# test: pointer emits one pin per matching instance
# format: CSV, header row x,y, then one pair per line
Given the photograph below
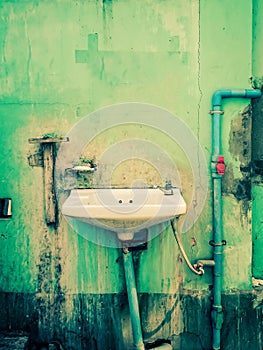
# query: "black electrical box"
x,y
5,208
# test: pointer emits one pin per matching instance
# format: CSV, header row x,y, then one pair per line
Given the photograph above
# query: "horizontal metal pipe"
x,y
245,93
205,263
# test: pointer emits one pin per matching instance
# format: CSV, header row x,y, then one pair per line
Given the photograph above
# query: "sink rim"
x,y
114,217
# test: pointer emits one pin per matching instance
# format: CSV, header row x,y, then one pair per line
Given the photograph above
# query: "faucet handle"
x,y
168,184
168,188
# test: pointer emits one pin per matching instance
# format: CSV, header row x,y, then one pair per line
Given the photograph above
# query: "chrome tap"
x,y
168,188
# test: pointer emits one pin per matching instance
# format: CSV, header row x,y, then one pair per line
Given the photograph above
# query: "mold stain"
x,y
240,149
50,297
43,297
240,137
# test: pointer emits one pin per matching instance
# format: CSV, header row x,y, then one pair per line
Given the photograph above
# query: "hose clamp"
x,y
216,112
218,308
213,244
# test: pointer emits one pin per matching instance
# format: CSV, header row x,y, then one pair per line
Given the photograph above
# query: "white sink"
x,y
123,210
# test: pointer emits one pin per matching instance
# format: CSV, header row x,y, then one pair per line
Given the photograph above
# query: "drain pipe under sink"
x,y
133,299
134,305
217,171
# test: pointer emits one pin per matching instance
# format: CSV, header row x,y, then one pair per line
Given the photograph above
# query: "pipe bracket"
x,y
216,112
213,244
217,316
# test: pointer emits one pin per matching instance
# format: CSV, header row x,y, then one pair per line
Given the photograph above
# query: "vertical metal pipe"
x,y
133,300
217,310
216,126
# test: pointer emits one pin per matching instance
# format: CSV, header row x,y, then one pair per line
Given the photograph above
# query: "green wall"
x,y
171,55
62,60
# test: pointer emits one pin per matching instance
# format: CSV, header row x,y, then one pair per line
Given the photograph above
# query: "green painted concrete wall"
x,y
56,70
257,230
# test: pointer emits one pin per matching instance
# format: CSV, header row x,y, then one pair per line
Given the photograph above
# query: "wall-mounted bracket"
x,y
35,160
48,150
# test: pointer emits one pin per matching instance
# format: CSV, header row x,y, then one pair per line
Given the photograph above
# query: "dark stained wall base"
x,y
101,321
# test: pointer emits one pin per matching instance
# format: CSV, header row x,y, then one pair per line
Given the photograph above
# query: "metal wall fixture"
x,y
47,159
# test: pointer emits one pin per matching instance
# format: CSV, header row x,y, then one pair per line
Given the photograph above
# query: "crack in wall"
x,y
200,98
199,78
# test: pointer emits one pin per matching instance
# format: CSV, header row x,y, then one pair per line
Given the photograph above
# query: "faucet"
x,y
168,188
85,165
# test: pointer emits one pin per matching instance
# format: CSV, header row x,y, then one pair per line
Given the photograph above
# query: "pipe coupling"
x,y
217,316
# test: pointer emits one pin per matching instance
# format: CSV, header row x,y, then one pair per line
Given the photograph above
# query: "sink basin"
x,y
123,210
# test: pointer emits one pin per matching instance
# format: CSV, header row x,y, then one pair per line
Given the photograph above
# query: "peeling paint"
x,y
240,149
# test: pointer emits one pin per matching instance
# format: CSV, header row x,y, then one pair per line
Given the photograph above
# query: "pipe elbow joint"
x,y
217,98
246,93
226,93
220,94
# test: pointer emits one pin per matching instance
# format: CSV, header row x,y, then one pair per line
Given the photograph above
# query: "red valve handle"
x,y
220,165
